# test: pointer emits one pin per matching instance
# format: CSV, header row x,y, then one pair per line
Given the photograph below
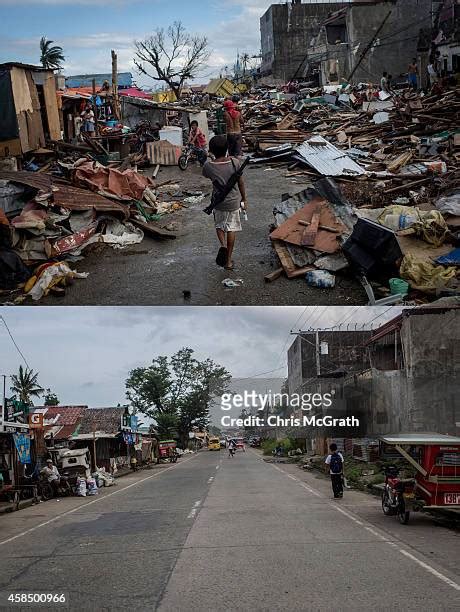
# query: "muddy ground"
x,y
157,272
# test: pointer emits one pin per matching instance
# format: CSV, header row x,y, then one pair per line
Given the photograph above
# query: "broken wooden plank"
x,y
272,276
153,228
334,230
311,231
289,267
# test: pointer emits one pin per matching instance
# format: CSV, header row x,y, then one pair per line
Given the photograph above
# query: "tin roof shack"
x,y
29,109
318,362
366,38
415,372
110,434
60,423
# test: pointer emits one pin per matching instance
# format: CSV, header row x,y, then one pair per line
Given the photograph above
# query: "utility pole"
x,y
2,415
116,105
369,46
317,353
96,128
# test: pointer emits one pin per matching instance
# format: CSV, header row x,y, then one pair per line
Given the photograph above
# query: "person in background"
x,y
51,473
432,73
89,121
227,213
384,83
412,74
231,448
233,121
198,140
334,464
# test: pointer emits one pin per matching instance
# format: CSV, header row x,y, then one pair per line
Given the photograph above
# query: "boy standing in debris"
x,y
233,121
227,213
334,463
198,140
412,74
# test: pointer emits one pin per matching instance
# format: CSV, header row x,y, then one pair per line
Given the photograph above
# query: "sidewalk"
x,y
8,507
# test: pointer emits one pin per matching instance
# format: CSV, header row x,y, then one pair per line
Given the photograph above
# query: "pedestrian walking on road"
x,y
231,448
334,463
227,213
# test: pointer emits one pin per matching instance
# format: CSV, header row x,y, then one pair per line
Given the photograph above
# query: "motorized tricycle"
x,y
436,485
167,451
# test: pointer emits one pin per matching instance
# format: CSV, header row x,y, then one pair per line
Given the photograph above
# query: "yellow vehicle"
x,y
214,444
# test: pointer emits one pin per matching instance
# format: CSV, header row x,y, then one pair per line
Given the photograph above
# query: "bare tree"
x,y
171,56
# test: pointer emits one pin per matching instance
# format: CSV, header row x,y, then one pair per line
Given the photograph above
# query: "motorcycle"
x,y
397,495
190,153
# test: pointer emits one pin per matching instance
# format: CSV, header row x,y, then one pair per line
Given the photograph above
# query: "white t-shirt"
x,y
328,461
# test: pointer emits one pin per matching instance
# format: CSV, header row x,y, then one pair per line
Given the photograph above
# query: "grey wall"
x,y
286,33
393,54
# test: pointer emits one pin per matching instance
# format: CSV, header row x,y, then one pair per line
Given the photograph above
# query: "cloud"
x,y
91,350
57,3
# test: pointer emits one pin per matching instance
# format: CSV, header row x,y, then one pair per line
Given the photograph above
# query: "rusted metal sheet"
x,y
291,231
36,180
75,198
70,243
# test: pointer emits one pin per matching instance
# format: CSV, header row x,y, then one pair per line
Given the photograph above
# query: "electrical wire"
x,y
14,341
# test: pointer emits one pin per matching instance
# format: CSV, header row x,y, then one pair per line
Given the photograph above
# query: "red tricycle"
x,y
436,484
167,451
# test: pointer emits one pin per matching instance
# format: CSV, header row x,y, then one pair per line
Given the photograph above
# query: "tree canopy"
x,y
25,385
50,56
176,391
51,399
171,56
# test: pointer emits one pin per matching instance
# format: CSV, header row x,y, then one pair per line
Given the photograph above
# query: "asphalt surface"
x,y
157,272
218,533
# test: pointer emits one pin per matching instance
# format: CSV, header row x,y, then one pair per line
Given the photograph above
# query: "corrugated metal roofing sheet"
x,y
321,155
420,438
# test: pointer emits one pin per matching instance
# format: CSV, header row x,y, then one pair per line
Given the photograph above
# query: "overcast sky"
x,y
88,29
84,354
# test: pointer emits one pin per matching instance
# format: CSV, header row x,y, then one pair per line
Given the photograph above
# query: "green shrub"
x,y
268,446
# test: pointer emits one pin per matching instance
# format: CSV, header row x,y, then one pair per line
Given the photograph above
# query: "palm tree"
x,y
25,385
51,57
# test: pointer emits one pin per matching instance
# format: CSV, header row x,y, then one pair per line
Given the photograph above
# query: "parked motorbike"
x,y
190,153
397,495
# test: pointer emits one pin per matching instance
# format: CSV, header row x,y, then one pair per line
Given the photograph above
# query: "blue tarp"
x,y
451,259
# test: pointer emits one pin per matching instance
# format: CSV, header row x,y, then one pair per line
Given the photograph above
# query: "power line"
x,y
14,341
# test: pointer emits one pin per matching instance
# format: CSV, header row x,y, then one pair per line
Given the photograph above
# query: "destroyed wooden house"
x,y
30,113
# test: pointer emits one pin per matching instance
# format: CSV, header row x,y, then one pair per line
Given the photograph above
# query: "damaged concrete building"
x,y
286,32
30,113
402,377
366,38
327,42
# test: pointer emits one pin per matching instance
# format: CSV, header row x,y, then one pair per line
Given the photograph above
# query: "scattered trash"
x,y
320,278
230,282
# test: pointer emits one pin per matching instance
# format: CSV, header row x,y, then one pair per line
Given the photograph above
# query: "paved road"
x,y
216,533
158,272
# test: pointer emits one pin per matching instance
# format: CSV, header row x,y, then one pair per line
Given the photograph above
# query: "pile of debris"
x,y
402,253
51,218
396,217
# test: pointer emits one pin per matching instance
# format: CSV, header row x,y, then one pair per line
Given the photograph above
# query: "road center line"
x,y
94,501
